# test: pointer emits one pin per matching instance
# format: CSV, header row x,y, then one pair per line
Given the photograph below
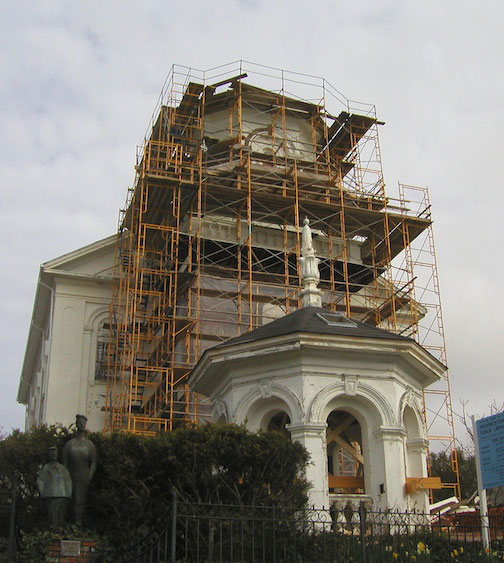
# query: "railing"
x,y
228,533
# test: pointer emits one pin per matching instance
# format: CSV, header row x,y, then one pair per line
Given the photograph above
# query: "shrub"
x,y
136,475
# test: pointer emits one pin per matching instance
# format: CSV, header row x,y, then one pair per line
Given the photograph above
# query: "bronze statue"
x,y
79,456
55,487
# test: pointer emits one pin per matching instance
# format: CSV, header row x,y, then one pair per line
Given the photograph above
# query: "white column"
x,y
391,440
312,435
416,449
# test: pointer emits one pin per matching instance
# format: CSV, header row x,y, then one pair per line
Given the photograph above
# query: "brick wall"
x,y
59,552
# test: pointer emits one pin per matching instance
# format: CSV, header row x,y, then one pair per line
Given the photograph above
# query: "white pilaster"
x,y
391,439
312,435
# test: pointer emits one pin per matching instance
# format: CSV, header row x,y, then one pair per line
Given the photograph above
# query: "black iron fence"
x,y
8,528
250,534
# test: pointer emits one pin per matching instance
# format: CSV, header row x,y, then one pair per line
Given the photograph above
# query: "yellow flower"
x,y
413,557
454,553
395,555
420,547
461,549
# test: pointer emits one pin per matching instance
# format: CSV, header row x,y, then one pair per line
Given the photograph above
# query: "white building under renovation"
x,y
194,310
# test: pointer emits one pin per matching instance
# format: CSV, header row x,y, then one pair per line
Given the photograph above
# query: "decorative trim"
x,y
307,428
418,445
279,391
351,384
219,408
410,399
265,389
391,433
369,394
97,316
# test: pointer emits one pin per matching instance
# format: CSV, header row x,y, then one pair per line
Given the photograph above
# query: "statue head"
x,y
53,453
80,422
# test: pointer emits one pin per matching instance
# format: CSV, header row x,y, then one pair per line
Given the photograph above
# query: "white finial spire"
x,y
310,275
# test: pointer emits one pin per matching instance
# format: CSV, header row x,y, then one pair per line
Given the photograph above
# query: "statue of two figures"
x,y
59,484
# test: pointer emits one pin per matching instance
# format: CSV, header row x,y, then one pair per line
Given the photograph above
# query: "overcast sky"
x,y
80,79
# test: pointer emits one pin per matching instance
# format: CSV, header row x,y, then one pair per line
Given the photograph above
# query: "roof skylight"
x,y
337,319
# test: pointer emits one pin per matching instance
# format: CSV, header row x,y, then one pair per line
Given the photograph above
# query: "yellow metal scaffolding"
x,y
209,237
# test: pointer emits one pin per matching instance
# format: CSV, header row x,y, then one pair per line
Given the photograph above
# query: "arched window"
x,y
414,459
102,340
345,460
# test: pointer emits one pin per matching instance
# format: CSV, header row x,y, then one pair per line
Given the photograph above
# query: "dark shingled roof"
x,y
313,320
